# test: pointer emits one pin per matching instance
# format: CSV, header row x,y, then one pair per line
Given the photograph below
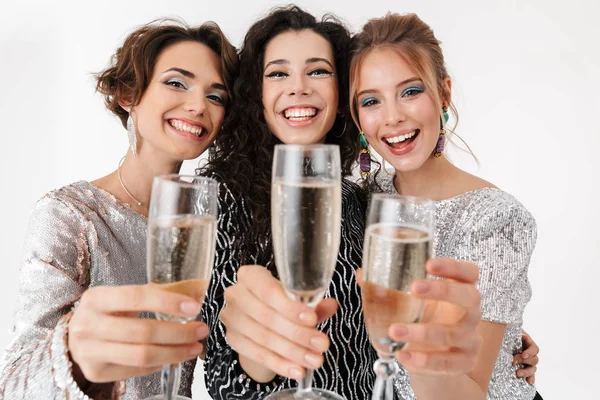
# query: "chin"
x,y
409,164
304,139
186,154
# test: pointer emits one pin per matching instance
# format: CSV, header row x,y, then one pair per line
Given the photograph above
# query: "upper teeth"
x,y
182,126
300,112
400,138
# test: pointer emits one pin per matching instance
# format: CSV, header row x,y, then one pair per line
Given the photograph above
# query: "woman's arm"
x,y
52,278
501,247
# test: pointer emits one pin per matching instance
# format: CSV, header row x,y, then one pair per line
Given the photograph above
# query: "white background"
x,y
526,84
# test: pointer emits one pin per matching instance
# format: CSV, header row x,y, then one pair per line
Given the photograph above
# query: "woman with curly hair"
x,y
293,89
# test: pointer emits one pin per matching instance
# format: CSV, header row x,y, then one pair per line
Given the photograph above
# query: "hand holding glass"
x,y
306,223
398,243
182,223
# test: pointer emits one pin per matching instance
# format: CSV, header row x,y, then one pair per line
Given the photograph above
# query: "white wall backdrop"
x,y
526,84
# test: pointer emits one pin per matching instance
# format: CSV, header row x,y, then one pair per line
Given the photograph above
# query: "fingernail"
x,y
403,356
191,308
526,356
313,360
196,349
296,373
319,344
520,374
307,318
399,330
201,332
422,287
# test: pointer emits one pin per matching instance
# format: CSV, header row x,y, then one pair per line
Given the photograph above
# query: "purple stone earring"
x,y
365,157
441,143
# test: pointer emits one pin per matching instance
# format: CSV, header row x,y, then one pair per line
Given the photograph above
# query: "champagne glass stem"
x,y
305,384
384,384
170,377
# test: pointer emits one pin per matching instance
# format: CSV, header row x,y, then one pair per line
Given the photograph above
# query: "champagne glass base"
x,y
314,394
162,397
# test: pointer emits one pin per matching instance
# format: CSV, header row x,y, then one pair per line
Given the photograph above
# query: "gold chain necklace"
x,y
139,203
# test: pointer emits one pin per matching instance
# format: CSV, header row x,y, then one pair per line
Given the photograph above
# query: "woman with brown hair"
x,y
81,286
400,95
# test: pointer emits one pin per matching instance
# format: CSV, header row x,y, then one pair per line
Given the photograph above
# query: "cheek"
x,y
217,116
268,97
332,94
369,122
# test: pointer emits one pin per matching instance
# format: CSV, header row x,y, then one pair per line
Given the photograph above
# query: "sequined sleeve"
x,y
53,276
500,237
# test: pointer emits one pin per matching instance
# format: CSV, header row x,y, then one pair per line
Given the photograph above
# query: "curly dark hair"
x,y
132,65
244,149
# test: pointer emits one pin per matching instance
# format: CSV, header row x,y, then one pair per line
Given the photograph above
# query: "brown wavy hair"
x,y
244,149
413,40
132,65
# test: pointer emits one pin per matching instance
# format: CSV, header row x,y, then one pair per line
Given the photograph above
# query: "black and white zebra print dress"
x,y
348,366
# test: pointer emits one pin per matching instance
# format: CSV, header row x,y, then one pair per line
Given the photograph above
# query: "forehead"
x,y
383,67
297,46
192,56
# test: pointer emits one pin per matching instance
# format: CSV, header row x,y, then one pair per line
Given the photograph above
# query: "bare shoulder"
x,y
479,183
108,183
463,182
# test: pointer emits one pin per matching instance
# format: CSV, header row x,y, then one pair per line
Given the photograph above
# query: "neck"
x,y
137,174
432,180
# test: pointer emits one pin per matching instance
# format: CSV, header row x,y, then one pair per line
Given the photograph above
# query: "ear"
x,y
125,104
446,96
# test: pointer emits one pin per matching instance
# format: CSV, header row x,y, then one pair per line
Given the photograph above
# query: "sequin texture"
x,y
348,365
79,237
491,229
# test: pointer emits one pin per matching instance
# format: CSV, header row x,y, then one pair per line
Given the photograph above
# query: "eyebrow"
x,y
404,82
311,60
188,74
182,71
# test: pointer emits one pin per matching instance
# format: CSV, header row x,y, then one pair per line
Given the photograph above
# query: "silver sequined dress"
x,y
491,229
79,237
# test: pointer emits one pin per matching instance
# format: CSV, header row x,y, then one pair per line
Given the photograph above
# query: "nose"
x,y
195,103
393,113
299,86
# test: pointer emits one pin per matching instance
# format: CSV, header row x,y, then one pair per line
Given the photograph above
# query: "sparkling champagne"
x,y
306,235
178,256
394,256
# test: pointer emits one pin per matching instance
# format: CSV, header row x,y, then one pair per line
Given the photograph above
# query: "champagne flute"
x,y
182,225
306,224
398,243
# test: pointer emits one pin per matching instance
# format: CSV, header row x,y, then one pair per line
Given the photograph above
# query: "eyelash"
x,y
408,92
277,75
181,85
216,98
176,84
316,72
413,91
369,102
320,72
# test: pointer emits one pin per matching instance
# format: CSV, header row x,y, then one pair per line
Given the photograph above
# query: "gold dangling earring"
x,y
441,143
364,158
